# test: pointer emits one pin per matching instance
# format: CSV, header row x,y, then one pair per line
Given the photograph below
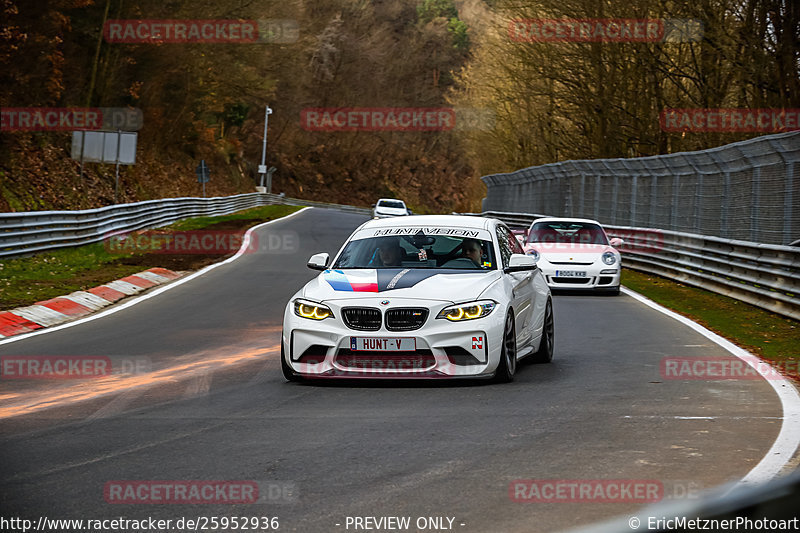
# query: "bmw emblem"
x,y
385,302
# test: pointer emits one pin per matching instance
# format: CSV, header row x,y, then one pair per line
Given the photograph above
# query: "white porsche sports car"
x,y
420,297
575,253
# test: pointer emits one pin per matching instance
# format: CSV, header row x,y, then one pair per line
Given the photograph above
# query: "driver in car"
x,y
471,249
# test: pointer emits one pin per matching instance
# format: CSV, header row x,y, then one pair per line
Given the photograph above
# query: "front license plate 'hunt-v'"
x,y
383,344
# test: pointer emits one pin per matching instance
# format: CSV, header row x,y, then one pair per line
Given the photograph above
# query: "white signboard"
x,y
104,147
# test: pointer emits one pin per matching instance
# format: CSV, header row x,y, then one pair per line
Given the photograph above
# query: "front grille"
x,y
362,318
398,361
605,280
571,281
405,319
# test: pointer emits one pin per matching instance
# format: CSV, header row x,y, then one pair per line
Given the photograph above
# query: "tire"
x,y
545,352
288,373
508,354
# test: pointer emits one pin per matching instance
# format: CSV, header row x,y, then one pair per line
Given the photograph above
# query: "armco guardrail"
x,y
765,275
36,231
285,200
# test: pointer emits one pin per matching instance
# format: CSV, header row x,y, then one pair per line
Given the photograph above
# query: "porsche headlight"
x,y
470,311
609,258
534,254
311,310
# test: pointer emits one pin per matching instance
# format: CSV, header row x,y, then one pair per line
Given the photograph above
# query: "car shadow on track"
x,y
525,370
393,383
583,292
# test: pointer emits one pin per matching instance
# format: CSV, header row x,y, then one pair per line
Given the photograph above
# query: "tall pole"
x,y
83,143
116,180
263,168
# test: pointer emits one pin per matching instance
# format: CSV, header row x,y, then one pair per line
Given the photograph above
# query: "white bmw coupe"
x,y
420,297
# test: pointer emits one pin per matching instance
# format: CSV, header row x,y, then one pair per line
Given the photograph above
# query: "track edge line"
x,y
787,442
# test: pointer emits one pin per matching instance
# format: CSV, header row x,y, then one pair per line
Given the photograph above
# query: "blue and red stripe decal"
x,y
339,281
384,279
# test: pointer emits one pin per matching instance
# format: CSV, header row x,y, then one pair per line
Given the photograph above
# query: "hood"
x,y
390,210
426,284
569,252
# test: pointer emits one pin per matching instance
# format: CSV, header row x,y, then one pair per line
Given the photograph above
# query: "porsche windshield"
x,y
418,251
568,233
394,204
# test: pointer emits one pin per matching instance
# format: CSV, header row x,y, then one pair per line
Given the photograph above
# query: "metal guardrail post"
x,y
596,197
653,199
754,207
788,203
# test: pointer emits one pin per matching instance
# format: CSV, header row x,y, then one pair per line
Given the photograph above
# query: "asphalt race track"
x,y
209,403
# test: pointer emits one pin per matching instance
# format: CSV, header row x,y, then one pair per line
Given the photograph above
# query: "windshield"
x,y
567,233
417,251
395,204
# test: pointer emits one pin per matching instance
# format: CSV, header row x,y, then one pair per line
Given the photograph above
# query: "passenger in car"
x,y
390,253
471,256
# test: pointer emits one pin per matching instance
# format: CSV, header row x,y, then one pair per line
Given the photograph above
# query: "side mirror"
x,y
318,261
616,242
520,263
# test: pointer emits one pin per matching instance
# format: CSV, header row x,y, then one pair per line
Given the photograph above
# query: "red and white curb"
x,y
62,309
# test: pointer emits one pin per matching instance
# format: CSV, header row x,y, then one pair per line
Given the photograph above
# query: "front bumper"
x,y
441,349
388,215
596,276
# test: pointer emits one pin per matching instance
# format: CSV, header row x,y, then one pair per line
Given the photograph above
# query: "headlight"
x,y
609,258
311,310
470,311
534,254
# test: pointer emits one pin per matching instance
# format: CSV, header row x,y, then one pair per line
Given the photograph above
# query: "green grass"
x,y
27,280
255,214
761,332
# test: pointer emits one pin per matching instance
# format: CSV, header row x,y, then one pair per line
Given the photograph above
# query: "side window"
x,y
508,244
516,247
505,245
